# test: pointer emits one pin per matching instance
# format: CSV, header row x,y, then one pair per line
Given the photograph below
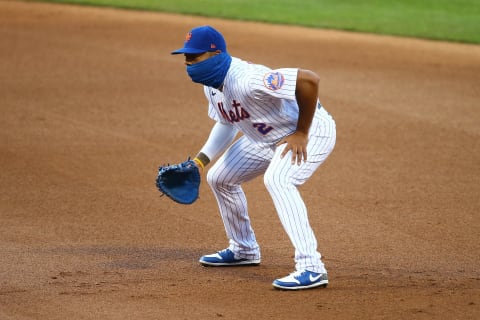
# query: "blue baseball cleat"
x,y
302,280
226,258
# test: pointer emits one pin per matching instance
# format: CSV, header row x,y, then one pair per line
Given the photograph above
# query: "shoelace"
x,y
297,273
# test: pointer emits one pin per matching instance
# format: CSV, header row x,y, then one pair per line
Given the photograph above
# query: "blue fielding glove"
x,y
180,182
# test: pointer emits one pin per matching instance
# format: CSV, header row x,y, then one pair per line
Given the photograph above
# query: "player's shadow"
x,y
131,258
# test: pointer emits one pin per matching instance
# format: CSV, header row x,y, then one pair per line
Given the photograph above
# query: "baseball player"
x,y
286,135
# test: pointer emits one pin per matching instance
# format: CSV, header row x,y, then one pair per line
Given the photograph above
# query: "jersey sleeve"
x,y
213,114
278,83
212,110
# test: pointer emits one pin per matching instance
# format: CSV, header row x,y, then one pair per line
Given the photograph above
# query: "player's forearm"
x,y
220,137
307,96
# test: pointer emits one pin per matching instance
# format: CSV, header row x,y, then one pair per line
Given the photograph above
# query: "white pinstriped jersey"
x,y
257,100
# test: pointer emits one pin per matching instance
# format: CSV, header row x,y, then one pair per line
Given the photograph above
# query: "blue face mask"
x,y
210,72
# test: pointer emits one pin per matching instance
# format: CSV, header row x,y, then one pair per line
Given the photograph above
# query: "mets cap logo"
x,y
273,80
188,36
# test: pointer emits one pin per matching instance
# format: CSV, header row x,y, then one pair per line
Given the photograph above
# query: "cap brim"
x,y
188,51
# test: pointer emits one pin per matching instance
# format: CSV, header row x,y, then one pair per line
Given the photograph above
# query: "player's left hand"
x,y
297,143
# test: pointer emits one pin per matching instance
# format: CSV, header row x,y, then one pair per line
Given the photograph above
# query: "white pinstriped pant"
x,y
244,161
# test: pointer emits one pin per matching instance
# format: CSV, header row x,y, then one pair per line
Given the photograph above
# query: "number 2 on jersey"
x,y
262,128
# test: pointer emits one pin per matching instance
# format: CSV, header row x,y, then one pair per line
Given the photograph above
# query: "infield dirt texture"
x,y
92,103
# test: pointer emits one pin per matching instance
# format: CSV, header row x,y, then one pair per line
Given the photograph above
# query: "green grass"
x,y
449,20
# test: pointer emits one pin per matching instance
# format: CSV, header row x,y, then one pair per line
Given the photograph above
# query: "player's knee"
x,y
211,178
272,180
214,180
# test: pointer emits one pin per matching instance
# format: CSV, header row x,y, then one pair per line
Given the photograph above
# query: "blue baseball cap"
x,y
202,39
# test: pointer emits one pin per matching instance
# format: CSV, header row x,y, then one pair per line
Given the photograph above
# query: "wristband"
x,y
199,163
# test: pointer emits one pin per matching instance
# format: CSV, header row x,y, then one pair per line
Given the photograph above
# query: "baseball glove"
x,y
180,182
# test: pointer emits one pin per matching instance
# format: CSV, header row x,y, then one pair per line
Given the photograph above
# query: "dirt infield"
x,y
92,102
